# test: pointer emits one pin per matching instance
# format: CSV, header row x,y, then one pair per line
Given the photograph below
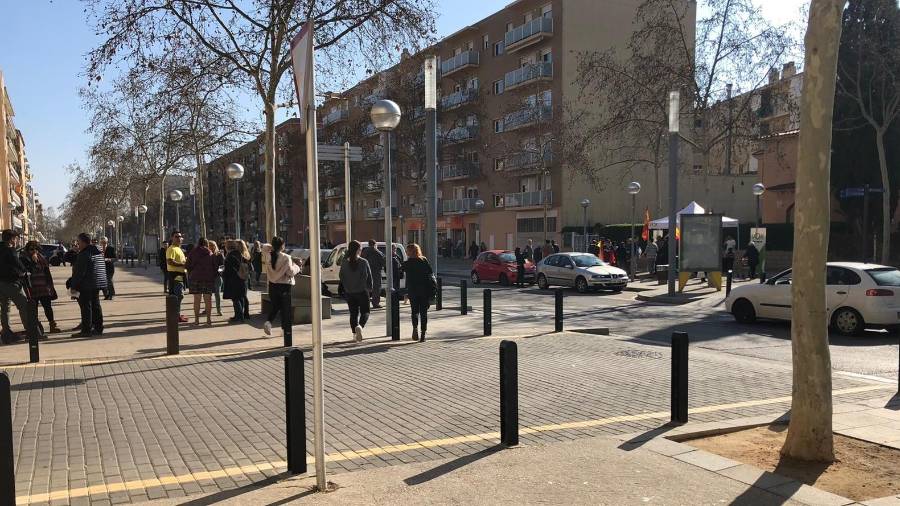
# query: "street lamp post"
x,y
674,119
112,229
431,209
758,190
385,116
119,219
633,189
479,206
235,172
543,186
142,209
176,196
585,203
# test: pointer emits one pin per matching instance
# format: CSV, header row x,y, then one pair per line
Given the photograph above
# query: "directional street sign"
x,y
336,153
848,193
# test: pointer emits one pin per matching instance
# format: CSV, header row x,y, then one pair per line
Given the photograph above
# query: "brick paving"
x,y
79,425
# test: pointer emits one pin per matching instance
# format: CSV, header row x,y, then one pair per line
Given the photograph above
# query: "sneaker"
x,y
81,334
415,336
267,328
357,334
422,337
182,319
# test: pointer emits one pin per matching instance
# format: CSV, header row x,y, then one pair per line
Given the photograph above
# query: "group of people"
x,y
360,277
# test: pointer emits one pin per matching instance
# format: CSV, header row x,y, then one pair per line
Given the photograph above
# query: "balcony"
x,y
459,135
535,72
459,99
334,215
419,80
526,161
373,185
330,193
377,213
461,169
526,117
14,176
417,210
528,199
528,34
369,130
335,116
371,98
458,206
462,61
418,113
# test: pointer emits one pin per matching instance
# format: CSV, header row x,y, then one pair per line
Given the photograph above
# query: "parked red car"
x,y
499,265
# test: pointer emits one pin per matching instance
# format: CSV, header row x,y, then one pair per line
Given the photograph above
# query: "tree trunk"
x,y
271,229
162,209
201,193
810,433
885,199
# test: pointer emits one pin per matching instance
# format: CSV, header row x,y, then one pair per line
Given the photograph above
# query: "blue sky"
x,y
44,43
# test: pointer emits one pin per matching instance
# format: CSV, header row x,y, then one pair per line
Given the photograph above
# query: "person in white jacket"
x,y
280,271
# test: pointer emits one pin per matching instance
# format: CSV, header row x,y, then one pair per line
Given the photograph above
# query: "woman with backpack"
x,y
236,274
420,286
280,272
356,278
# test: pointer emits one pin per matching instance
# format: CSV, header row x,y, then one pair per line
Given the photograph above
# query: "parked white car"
x,y
857,295
331,265
584,271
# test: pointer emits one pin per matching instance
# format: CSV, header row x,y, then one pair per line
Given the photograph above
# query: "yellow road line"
x,y
344,455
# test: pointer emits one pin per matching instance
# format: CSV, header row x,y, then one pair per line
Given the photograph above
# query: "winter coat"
x,y
375,259
89,272
356,277
201,265
11,268
418,278
110,254
41,279
234,287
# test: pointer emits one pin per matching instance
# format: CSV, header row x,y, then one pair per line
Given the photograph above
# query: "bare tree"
x,y
254,40
868,69
810,432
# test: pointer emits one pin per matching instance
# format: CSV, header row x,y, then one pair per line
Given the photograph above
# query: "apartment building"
x,y
15,175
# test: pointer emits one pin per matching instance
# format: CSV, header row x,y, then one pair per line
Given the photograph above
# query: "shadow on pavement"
x,y
42,384
211,344
894,402
641,439
231,494
451,466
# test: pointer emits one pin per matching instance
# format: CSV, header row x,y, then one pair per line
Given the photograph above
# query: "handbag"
x,y
244,271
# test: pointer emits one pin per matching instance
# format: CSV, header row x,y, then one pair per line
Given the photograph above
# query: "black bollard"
x,y
729,277
7,463
487,311
173,308
34,352
509,394
439,296
463,297
679,378
558,315
395,315
295,411
287,321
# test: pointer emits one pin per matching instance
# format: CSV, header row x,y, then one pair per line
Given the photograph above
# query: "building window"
x,y
547,11
471,192
498,164
498,125
498,48
546,55
698,169
531,225
498,200
498,87
486,44
509,27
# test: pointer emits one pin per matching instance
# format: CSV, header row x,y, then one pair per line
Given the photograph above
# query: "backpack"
x,y
243,271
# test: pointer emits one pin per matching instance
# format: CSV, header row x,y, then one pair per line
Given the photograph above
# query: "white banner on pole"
x,y
302,62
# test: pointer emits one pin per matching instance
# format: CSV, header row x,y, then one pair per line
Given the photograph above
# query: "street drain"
x,y
639,354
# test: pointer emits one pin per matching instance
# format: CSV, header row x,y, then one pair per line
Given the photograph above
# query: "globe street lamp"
x,y
674,127
235,172
176,196
479,206
758,190
633,189
142,209
585,204
385,116
119,219
112,228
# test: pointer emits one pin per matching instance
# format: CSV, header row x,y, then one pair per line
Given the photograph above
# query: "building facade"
x,y
15,176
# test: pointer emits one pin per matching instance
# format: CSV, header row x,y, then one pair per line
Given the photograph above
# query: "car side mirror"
x,y
570,266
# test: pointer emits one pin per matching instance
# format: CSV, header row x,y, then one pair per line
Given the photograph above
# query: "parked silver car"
x,y
584,271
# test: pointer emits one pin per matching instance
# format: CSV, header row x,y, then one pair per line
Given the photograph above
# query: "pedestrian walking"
x,y
538,253
651,253
421,286
751,257
520,267
109,258
728,258
376,264
12,280
176,271
473,251
529,251
280,272
358,281
219,260
235,276
161,261
594,249
245,253
88,279
41,280
256,257
554,246
201,268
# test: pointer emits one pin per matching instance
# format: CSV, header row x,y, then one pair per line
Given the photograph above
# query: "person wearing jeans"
x,y
280,272
356,278
88,278
420,287
176,271
12,274
236,273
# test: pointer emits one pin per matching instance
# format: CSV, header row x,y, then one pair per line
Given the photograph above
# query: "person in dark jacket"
x,y
554,246
202,270
520,267
41,280
256,260
161,260
376,265
88,278
751,255
12,280
236,274
420,288
109,256
357,279
473,251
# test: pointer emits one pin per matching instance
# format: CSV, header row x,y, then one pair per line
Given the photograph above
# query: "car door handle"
x,y
842,293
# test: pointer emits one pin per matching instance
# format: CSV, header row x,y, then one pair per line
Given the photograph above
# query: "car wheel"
x,y
581,284
504,281
847,321
743,311
542,282
475,278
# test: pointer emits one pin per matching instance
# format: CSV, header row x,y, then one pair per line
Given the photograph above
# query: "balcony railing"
x,y
374,213
459,99
458,206
334,215
373,185
460,170
527,160
332,192
335,116
461,134
461,61
418,113
369,130
528,199
528,74
417,210
530,33
527,117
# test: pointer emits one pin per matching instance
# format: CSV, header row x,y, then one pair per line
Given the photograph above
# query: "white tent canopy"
x,y
692,208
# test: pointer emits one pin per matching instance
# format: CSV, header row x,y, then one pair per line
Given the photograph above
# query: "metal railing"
x,y
528,199
334,215
461,134
542,25
373,185
417,210
332,192
460,169
459,61
527,116
335,116
528,73
527,160
458,206
374,213
459,98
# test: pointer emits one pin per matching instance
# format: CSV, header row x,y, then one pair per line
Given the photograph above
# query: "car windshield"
x,y
587,261
507,257
886,276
